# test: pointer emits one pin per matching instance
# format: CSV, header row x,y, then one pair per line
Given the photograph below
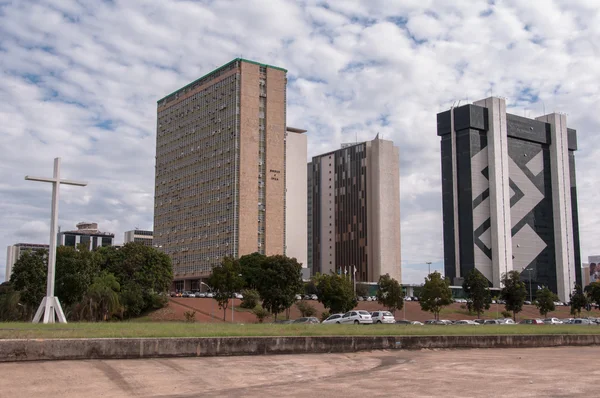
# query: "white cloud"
x,y
80,79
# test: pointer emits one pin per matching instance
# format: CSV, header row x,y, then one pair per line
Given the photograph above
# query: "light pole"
x,y
530,291
428,267
212,308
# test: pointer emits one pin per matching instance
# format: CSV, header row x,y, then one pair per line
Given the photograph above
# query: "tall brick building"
x,y
220,169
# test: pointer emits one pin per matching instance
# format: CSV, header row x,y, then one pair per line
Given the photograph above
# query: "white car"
x,y
200,295
357,317
466,322
335,318
238,296
314,297
209,295
407,298
382,317
553,321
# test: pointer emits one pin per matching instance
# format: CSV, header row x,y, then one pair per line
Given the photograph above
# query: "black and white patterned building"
x,y
509,196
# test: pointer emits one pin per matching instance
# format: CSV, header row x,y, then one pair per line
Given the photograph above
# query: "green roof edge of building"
x,y
221,67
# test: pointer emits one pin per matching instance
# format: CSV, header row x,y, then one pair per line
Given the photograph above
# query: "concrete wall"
x,y
63,349
295,197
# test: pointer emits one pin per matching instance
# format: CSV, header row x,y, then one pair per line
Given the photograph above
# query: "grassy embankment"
x,y
176,329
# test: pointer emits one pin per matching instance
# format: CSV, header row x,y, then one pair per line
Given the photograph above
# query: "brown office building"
x,y
354,211
220,169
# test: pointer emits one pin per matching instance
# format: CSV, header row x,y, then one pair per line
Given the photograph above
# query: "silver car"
x,y
382,317
357,317
335,318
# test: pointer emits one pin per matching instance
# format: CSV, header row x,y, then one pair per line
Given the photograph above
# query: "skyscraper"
x,y
509,196
220,169
354,210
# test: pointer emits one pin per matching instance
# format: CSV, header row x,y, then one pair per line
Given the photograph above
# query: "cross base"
x,y
50,306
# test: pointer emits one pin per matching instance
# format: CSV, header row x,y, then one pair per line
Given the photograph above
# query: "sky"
x,y
79,79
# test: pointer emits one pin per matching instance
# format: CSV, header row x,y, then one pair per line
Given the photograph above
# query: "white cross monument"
x,y
50,304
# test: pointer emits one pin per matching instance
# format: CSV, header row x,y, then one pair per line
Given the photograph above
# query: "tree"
x,y
251,269
102,298
132,299
251,298
335,292
579,301
75,272
10,308
435,294
593,292
306,309
279,283
513,293
260,313
226,280
137,264
476,286
390,293
544,301
29,277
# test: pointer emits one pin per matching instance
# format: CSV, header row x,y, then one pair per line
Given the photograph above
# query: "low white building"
x,y
13,253
138,236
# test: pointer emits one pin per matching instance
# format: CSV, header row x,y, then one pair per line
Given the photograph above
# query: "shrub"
x,y
506,314
324,315
190,316
306,309
250,299
260,313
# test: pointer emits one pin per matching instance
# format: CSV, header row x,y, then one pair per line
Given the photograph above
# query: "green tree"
x,y
579,301
10,308
390,293
132,299
435,294
102,298
260,313
335,292
476,286
280,282
513,293
29,277
593,292
544,301
75,272
251,269
137,264
251,298
305,308
226,280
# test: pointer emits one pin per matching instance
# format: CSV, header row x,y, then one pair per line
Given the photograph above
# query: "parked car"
x,y
306,297
238,296
173,294
403,322
209,295
309,319
553,321
506,321
417,323
298,297
414,298
531,322
314,297
335,318
187,294
567,321
283,321
527,302
466,322
430,322
357,317
582,321
407,298
444,322
382,317
491,322
200,295
360,298
480,321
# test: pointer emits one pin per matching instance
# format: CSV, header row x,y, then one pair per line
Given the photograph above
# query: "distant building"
x,y
87,234
13,253
354,211
509,196
138,236
593,270
295,195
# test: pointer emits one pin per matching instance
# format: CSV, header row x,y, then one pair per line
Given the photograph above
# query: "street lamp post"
x,y
212,308
530,291
428,267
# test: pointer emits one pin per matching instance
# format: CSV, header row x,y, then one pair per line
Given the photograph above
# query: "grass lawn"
x,y
176,329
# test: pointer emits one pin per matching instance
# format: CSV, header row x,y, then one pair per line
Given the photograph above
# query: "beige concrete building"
x,y
13,253
354,211
295,195
220,169
138,236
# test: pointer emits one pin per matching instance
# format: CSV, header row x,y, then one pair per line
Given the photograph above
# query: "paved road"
x,y
538,372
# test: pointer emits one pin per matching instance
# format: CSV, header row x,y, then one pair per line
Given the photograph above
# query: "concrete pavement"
x,y
534,372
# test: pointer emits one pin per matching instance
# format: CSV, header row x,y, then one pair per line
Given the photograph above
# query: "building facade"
x,y
295,195
13,253
220,169
354,211
138,236
593,270
509,196
87,234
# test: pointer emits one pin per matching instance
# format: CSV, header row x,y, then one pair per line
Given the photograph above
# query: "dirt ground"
x,y
207,310
534,372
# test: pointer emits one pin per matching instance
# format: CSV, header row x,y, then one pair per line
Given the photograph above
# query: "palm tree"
x,y
102,297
